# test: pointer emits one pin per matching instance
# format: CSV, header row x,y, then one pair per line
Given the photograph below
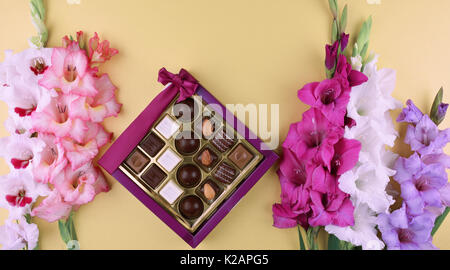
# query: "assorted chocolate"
x,y
191,172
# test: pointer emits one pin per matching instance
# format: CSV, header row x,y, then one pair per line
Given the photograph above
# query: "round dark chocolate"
x,y
186,143
191,207
185,110
189,175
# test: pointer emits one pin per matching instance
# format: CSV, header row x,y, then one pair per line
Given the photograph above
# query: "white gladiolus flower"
x,y
370,105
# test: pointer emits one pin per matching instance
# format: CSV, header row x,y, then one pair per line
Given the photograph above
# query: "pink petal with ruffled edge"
x,y
52,208
52,161
103,105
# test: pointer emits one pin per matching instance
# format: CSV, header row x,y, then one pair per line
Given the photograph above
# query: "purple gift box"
x,y
184,85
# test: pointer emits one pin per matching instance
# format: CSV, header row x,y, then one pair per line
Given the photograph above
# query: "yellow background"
x,y
243,51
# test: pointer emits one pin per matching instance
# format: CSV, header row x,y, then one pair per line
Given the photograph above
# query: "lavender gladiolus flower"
x,y
410,114
426,138
441,112
400,230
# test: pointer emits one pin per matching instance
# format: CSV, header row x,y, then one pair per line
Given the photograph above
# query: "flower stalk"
x,y
38,19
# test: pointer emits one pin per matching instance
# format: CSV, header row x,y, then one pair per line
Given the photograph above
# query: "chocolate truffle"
x,y
189,175
185,110
137,161
209,191
222,141
191,207
154,176
186,143
240,156
152,144
225,173
207,158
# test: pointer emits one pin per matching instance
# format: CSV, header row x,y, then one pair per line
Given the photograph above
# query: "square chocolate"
x,y
137,161
225,173
240,156
222,141
207,159
154,176
209,191
152,144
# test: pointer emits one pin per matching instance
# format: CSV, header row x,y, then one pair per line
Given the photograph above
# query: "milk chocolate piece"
x,y
210,191
186,143
191,207
225,173
240,156
185,110
222,141
189,175
207,158
154,176
137,161
152,144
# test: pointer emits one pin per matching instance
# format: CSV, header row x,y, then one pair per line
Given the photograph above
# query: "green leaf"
x,y
333,8
439,220
333,242
300,238
343,23
434,108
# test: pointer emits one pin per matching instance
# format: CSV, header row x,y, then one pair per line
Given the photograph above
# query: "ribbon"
x,y
184,82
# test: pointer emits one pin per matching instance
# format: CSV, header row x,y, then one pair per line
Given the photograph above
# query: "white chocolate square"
x,y
167,127
169,160
171,192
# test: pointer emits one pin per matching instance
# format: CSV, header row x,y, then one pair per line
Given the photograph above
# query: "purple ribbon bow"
x,y
184,82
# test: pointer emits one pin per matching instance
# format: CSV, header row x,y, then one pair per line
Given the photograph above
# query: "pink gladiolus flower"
x,y
100,52
314,137
52,208
81,153
329,97
70,73
56,119
52,160
80,186
97,108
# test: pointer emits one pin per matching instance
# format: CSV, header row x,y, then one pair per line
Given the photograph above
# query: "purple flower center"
x,y
315,138
335,164
405,236
327,96
422,184
300,175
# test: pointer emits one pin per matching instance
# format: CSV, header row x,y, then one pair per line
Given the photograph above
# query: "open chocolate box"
x,y
185,159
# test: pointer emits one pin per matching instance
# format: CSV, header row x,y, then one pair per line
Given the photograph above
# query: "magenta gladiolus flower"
x,y
329,97
346,154
331,208
314,137
346,75
294,205
331,54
